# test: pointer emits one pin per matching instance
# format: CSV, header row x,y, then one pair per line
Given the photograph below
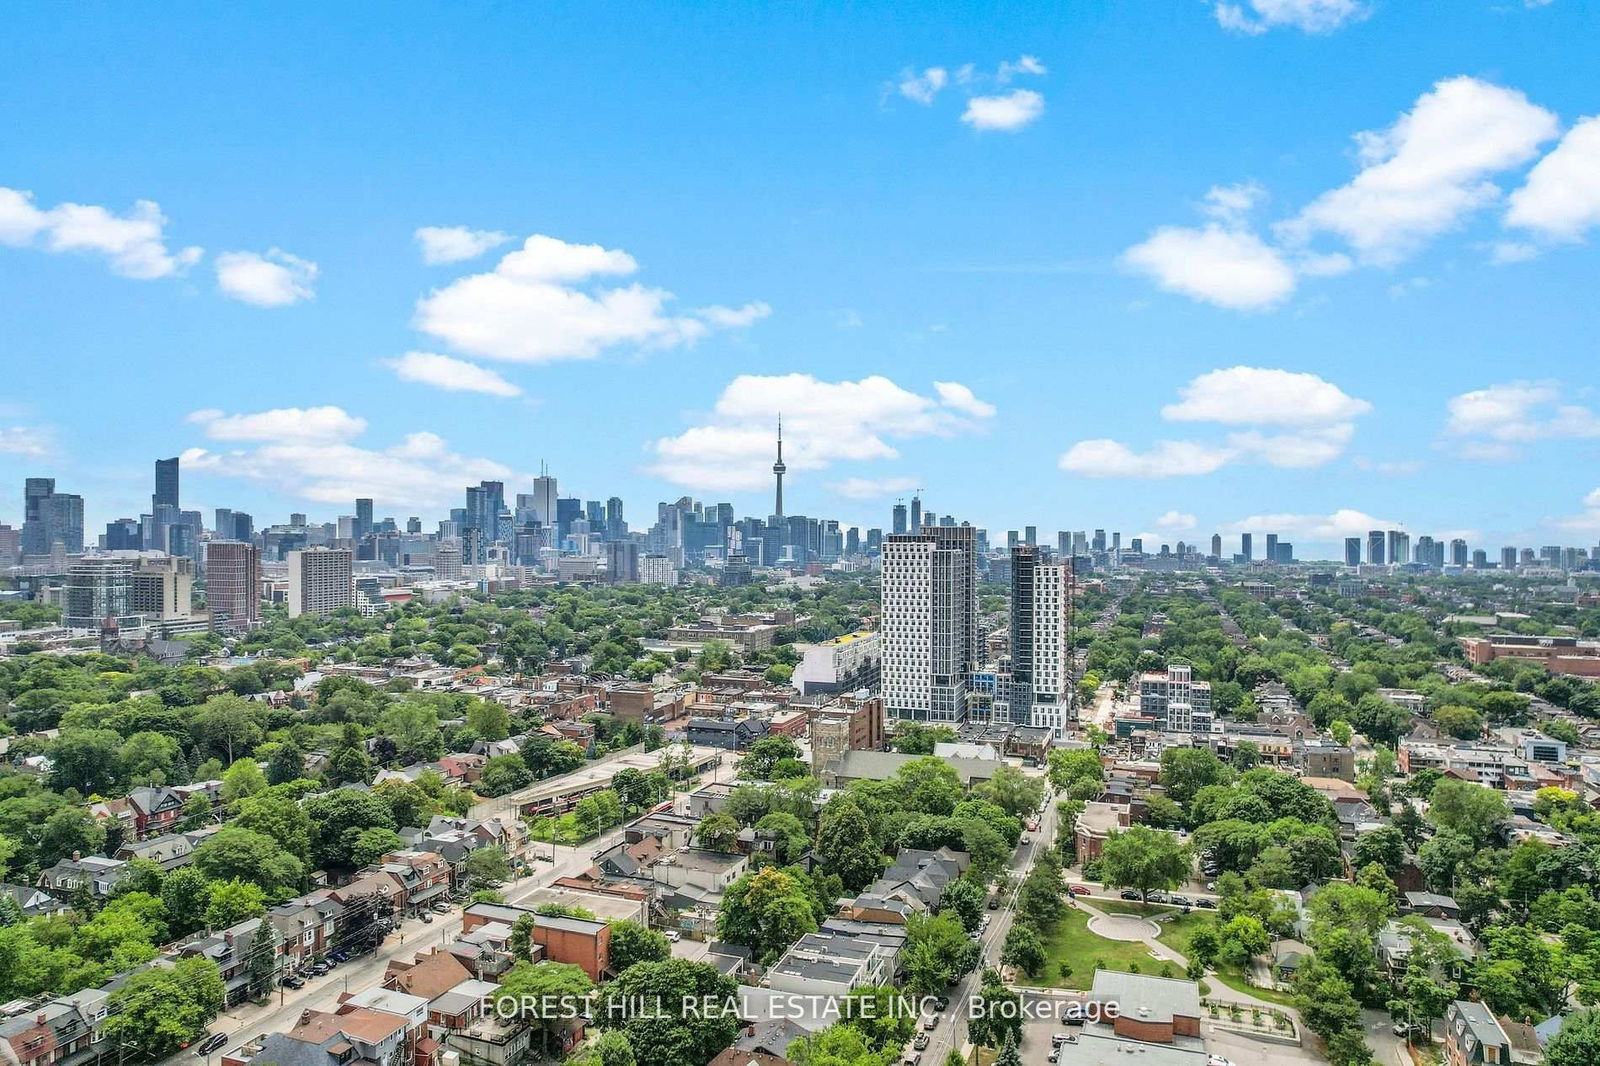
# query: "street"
x,y
249,1020
951,1031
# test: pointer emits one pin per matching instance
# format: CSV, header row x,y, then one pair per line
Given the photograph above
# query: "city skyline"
x,y
1063,285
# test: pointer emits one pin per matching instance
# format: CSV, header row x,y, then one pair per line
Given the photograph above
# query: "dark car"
x,y
317,969
1206,904
1181,901
1129,893
212,1043
994,903
338,956
292,982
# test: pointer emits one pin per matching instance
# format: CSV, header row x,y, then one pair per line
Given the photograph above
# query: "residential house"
x,y
356,1037
1474,1036
579,941
96,872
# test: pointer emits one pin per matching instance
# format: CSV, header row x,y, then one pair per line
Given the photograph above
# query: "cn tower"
x,y
778,470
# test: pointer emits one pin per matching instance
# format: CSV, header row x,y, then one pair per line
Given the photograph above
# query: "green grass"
x,y
1124,906
1074,944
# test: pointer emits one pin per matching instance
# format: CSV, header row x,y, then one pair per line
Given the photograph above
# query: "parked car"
x,y
1055,1054
673,936
1078,890
338,956
291,981
316,969
994,903
1180,901
931,1022
212,1043
1158,897
1025,841
427,919
441,908
920,1042
1206,904
914,1059
1129,893
941,1004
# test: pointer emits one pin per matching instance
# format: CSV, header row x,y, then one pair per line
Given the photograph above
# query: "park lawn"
x,y
1074,944
1176,933
1126,906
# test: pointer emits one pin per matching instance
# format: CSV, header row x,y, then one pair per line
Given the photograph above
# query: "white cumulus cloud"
x,y
312,453
451,374
535,307
1290,420
24,440
1311,16
1492,421
824,423
1560,201
1428,170
133,245
923,87
303,424
1345,522
1586,521
958,397
874,488
1176,521
1228,267
275,279
1264,395
454,244
1008,111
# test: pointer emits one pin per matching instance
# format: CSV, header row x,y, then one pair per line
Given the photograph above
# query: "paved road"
x,y
412,936
951,1031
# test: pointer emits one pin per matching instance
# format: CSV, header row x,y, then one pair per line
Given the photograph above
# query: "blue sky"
x,y
1169,267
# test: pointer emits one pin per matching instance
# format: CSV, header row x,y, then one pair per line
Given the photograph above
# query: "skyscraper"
x,y
1041,652
1399,547
544,500
166,483
321,581
1272,548
1216,546
1375,547
1247,546
899,523
233,584
49,516
1458,552
931,642
916,515
363,523
1352,551
1508,558
615,526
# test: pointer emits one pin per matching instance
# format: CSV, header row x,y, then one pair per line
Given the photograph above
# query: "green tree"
x,y
187,894
1185,771
1463,723
882,1015
261,964
1143,859
278,816
373,843
964,898
995,1020
845,845
1385,846
937,952
1577,1043
243,778
87,760
235,853
487,868
632,943
414,728
1471,810
503,774
68,832
547,982
766,911
159,1010
717,832
1015,792
656,1005
1024,950
340,816
232,902
488,720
